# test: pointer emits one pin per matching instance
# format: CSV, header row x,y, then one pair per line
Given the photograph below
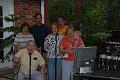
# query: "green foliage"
x,y
101,36
92,17
97,16
66,8
114,15
10,29
6,42
9,40
95,37
93,20
11,18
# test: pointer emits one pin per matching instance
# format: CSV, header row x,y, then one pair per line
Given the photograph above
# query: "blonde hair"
x,y
56,25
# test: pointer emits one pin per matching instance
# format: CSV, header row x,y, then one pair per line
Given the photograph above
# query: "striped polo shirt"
x,y
22,40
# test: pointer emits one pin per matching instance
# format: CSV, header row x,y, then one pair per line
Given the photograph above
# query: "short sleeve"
x,y
32,38
16,40
46,43
19,53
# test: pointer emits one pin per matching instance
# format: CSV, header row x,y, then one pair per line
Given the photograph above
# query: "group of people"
x,y
50,48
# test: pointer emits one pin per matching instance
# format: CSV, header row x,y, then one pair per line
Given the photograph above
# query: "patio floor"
x,y
6,74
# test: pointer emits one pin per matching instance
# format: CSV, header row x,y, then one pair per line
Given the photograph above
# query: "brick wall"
x,y
26,9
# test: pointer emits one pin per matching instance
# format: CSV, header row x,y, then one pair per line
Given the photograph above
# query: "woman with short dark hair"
x,y
22,37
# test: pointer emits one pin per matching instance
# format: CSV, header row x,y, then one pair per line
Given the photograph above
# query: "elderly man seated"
x,y
30,60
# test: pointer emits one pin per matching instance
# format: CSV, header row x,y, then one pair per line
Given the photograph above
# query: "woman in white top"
x,y
51,45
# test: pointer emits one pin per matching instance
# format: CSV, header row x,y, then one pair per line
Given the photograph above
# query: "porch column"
x,y
46,11
78,6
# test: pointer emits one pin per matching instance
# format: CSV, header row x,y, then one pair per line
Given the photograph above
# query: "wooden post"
x,y
46,11
78,6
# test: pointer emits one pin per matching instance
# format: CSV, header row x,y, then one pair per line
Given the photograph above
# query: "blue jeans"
x,y
35,76
67,67
51,67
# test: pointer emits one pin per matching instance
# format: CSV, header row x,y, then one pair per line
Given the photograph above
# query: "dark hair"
x,y
25,24
62,17
37,15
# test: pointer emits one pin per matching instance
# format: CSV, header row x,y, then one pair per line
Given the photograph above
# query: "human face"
x,y
31,47
38,20
54,29
61,22
70,32
25,30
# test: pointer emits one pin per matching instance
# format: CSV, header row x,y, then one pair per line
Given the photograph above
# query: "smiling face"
x,y
54,28
61,22
31,46
25,30
38,19
70,32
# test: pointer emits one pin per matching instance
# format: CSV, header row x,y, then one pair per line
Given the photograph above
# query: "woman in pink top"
x,y
78,39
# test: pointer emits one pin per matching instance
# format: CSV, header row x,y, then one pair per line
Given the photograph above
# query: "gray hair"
x,y
30,41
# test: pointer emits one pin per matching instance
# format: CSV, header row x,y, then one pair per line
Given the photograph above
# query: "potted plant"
x,y
9,40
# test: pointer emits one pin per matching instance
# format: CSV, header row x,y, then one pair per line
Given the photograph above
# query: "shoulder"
x,y
44,25
23,50
19,34
60,36
32,27
49,36
38,54
64,40
30,34
66,26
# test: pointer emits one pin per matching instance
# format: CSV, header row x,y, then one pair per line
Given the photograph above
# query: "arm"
x,y
63,51
32,38
80,43
16,44
46,43
16,47
43,69
41,63
18,56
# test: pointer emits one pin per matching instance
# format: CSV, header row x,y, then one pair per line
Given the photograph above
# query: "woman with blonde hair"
x,y
67,47
51,45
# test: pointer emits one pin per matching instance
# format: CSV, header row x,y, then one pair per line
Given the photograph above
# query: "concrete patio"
x,y
6,74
